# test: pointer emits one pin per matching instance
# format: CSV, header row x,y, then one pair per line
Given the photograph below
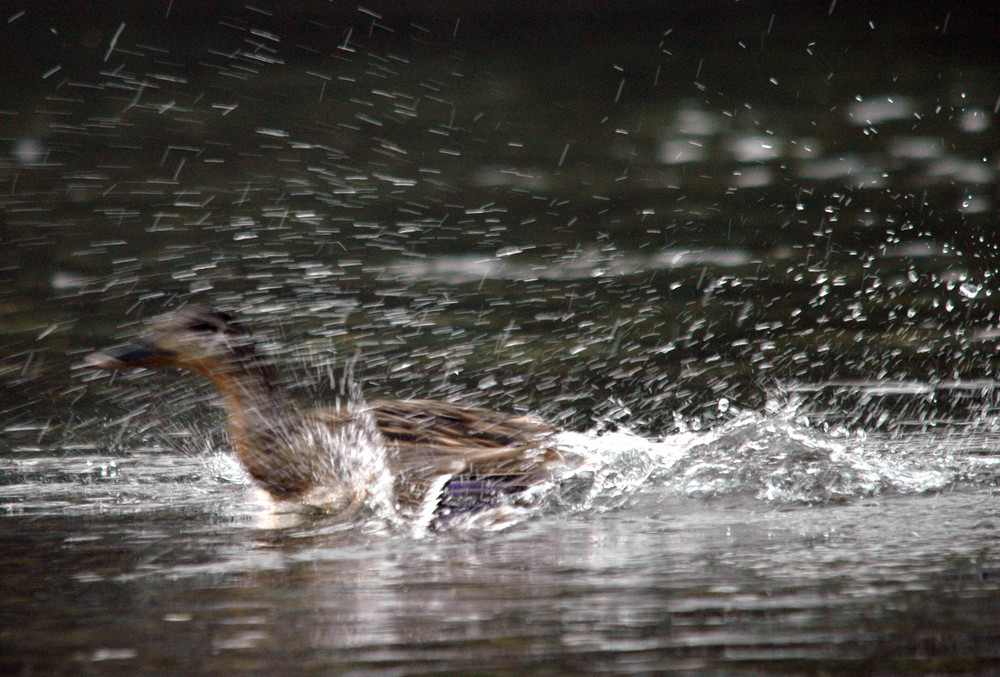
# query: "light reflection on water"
x,y
664,583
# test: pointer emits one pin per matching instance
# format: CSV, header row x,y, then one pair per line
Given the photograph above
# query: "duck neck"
x,y
260,427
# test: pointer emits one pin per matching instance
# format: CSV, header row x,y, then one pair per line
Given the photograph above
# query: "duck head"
x,y
194,338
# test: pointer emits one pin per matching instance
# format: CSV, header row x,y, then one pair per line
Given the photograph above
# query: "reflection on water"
x,y
665,584
699,550
745,263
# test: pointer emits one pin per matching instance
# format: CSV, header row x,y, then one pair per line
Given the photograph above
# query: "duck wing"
x,y
478,453
453,426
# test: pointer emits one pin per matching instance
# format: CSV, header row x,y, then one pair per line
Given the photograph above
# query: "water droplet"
x,y
969,290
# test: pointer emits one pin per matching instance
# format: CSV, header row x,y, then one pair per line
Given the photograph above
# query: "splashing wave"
x,y
774,456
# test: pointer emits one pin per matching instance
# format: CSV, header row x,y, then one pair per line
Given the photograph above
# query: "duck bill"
x,y
130,356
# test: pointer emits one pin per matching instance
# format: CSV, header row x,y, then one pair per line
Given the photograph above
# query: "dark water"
x,y
744,256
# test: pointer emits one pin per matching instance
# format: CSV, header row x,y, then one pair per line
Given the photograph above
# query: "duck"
x,y
430,455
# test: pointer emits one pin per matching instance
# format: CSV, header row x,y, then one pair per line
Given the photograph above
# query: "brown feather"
x,y
290,453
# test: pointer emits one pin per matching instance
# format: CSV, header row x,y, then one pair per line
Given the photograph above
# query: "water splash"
x,y
779,456
357,457
774,456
